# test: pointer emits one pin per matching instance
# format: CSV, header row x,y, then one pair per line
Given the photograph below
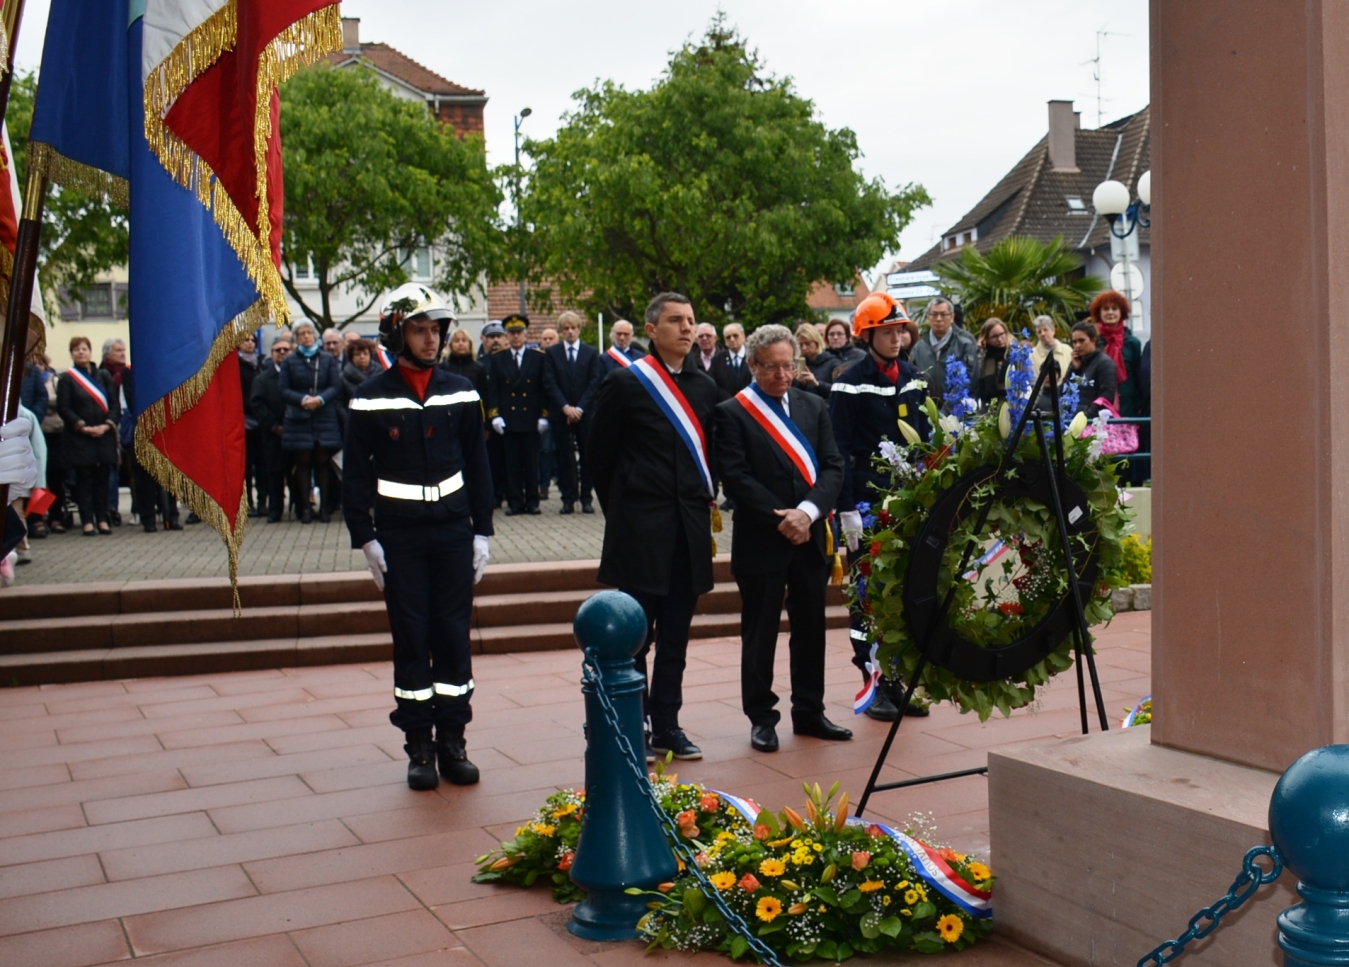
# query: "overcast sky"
x,y
948,95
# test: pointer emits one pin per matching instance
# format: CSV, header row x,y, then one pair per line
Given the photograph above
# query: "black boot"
x,y
421,752
453,756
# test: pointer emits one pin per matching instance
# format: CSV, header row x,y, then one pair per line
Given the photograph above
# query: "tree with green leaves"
x,y
82,237
369,179
1016,280
719,182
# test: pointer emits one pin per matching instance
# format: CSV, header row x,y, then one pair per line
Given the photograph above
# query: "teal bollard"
x,y
1309,824
622,844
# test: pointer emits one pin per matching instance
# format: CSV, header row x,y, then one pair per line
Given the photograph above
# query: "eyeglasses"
x,y
780,368
282,349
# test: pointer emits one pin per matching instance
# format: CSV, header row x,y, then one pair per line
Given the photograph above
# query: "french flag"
x,y
170,108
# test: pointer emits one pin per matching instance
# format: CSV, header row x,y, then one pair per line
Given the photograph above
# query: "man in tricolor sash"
x,y
622,352
415,457
779,464
649,452
866,402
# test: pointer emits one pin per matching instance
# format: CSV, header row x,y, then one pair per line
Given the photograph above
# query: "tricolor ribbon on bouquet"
x,y
867,695
745,807
937,873
994,554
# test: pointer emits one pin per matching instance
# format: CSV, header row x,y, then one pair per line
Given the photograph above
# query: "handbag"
x,y
1119,437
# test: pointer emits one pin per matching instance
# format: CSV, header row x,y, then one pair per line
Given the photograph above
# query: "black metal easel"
x,y
1082,650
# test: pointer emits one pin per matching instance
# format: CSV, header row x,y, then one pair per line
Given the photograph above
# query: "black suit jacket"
x,y
648,483
571,384
761,478
516,393
729,381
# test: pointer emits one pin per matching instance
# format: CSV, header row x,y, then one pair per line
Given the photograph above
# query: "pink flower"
x,y
748,883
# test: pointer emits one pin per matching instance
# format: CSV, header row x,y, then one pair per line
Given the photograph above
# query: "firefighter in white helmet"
x,y
417,498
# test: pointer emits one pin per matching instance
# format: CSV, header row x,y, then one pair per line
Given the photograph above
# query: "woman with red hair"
x,y
1109,311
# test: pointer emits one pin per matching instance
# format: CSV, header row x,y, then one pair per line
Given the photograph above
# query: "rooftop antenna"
x,y
1096,72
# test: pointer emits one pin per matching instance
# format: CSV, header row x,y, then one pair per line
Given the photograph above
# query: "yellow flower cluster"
x,y
542,829
722,881
566,810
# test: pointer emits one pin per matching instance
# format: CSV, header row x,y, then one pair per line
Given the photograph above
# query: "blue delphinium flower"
x,y
1021,380
861,589
956,391
1068,399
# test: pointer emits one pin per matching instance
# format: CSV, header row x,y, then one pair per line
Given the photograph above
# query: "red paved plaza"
x,y
262,818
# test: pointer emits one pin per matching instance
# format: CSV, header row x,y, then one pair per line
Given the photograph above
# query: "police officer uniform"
x,y
517,410
417,498
865,404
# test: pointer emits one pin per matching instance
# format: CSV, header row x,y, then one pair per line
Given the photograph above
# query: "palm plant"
x,y
1017,280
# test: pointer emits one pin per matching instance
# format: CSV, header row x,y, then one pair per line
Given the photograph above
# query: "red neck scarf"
x,y
1114,347
890,371
417,380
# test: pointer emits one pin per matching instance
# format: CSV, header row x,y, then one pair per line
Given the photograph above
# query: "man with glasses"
x,y
779,463
729,367
269,409
943,340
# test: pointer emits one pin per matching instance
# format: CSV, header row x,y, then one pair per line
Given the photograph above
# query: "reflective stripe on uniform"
x,y
449,399
403,403
399,403
856,388
856,635
401,491
456,691
415,695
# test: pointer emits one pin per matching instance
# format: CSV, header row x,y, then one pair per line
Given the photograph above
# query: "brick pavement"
x,y
289,548
262,818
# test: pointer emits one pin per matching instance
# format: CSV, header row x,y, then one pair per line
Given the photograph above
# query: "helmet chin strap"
x,y
418,363
871,344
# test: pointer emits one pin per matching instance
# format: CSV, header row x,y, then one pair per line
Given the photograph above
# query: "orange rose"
x,y
861,860
748,883
568,858
761,832
709,803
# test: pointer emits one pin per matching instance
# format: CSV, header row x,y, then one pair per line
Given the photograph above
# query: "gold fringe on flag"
x,y
178,402
302,43
76,175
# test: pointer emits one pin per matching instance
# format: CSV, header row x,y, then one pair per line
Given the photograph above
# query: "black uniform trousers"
x,y
569,443
668,617
803,581
151,499
496,463
522,469
429,593
274,464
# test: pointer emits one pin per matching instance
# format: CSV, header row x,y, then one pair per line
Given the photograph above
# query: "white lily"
x,y
909,433
1005,422
952,426
1076,427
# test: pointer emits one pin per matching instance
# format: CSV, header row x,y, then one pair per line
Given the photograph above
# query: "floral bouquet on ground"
x,y
1017,575
821,885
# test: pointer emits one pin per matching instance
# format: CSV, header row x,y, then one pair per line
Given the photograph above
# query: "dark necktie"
x,y
571,355
736,360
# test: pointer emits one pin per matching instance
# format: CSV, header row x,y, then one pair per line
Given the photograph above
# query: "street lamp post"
x,y
1111,199
524,113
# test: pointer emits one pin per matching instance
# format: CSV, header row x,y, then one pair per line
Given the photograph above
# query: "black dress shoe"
x,y
116,517
764,738
568,508
511,511
274,518
821,728
325,517
881,708
533,511
421,750
587,507
306,515
149,526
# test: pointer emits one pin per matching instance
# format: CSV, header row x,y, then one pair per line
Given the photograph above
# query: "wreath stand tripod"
x,y
940,645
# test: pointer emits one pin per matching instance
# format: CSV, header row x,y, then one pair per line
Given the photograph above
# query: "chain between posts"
x,y
682,850
1250,879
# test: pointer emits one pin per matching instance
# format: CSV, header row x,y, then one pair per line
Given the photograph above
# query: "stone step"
x,y
141,661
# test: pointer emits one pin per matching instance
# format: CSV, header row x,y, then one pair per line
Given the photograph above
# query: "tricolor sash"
x,y
90,387
613,353
937,873
770,415
656,380
385,359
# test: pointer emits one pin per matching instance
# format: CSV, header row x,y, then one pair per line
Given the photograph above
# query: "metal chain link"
x,y
681,849
1250,879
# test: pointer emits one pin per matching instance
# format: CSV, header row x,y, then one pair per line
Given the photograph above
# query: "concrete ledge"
x,y
1106,845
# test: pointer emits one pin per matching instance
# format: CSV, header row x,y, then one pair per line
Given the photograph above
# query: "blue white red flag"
x,y
991,556
867,695
169,108
770,415
618,357
938,874
656,380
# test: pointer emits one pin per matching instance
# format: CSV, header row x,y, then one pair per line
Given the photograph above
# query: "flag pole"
x,y
14,344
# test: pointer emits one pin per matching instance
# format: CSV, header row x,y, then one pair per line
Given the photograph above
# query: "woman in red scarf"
x,y
1110,310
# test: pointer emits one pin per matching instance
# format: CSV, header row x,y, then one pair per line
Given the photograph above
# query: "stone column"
x,y
1250,148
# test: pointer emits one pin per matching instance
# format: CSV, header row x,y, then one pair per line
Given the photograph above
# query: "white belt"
x,y
399,491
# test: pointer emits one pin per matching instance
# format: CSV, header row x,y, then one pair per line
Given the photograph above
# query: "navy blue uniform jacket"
x,y
394,436
866,408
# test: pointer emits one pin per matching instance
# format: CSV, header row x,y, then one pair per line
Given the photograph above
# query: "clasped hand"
x,y
795,525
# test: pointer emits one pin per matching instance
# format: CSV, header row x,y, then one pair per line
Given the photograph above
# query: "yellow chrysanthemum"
x,y
906,912
950,927
980,872
910,897
817,847
767,909
724,835
903,885
723,881
544,830
885,900
870,886
772,867
566,810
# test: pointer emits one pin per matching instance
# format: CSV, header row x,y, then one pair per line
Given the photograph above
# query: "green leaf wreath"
x,y
1003,599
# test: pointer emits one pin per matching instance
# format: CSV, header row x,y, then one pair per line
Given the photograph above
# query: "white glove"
x,y
481,554
850,522
499,425
18,466
374,559
543,425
